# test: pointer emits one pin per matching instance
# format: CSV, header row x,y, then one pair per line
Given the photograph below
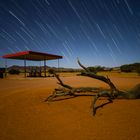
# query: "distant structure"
x,y
32,56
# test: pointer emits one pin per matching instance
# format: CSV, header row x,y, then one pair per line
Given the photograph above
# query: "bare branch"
x,y
61,82
103,93
98,77
82,66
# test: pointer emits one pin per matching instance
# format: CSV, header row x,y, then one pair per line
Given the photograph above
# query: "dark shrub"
x,y
14,71
126,68
96,69
130,67
51,71
138,70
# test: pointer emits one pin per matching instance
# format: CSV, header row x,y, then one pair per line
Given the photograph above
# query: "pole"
x,y
58,65
5,68
25,67
40,74
45,67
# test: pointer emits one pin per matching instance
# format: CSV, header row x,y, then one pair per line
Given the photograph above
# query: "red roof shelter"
x,y
33,56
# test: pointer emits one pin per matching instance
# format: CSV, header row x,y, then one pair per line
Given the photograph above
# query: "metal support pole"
x,y
45,67
5,74
40,71
25,67
58,65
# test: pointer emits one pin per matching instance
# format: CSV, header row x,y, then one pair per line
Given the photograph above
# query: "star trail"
x,y
98,32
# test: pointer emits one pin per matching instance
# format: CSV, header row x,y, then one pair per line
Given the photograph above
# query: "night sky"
x,y
98,32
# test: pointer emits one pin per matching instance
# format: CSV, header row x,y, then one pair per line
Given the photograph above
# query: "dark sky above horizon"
x,y
98,32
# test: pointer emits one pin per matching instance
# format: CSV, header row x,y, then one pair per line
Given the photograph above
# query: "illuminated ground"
x,y
24,115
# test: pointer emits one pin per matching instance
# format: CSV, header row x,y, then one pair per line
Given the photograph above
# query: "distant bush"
x,y
126,68
92,69
110,69
130,67
95,69
138,70
51,71
14,71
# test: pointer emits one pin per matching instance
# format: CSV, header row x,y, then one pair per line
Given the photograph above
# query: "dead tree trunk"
x,y
70,91
111,94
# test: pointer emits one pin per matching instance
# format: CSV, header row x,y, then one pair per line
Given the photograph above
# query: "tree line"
x,y
135,67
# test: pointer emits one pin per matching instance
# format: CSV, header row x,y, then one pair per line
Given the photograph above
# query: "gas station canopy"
x,y
31,55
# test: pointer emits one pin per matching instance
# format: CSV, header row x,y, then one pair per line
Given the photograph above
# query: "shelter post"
x,y
40,70
25,67
5,68
45,67
58,64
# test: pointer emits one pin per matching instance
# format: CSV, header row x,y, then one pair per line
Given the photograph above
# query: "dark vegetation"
x,y
130,68
135,67
96,69
14,71
138,70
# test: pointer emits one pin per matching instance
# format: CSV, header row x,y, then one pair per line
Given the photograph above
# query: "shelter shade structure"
x,y
32,56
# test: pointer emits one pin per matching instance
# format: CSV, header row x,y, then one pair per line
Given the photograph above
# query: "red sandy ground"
x,y
25,116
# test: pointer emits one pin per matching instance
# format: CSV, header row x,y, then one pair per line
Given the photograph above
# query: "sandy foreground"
x,y
25,116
